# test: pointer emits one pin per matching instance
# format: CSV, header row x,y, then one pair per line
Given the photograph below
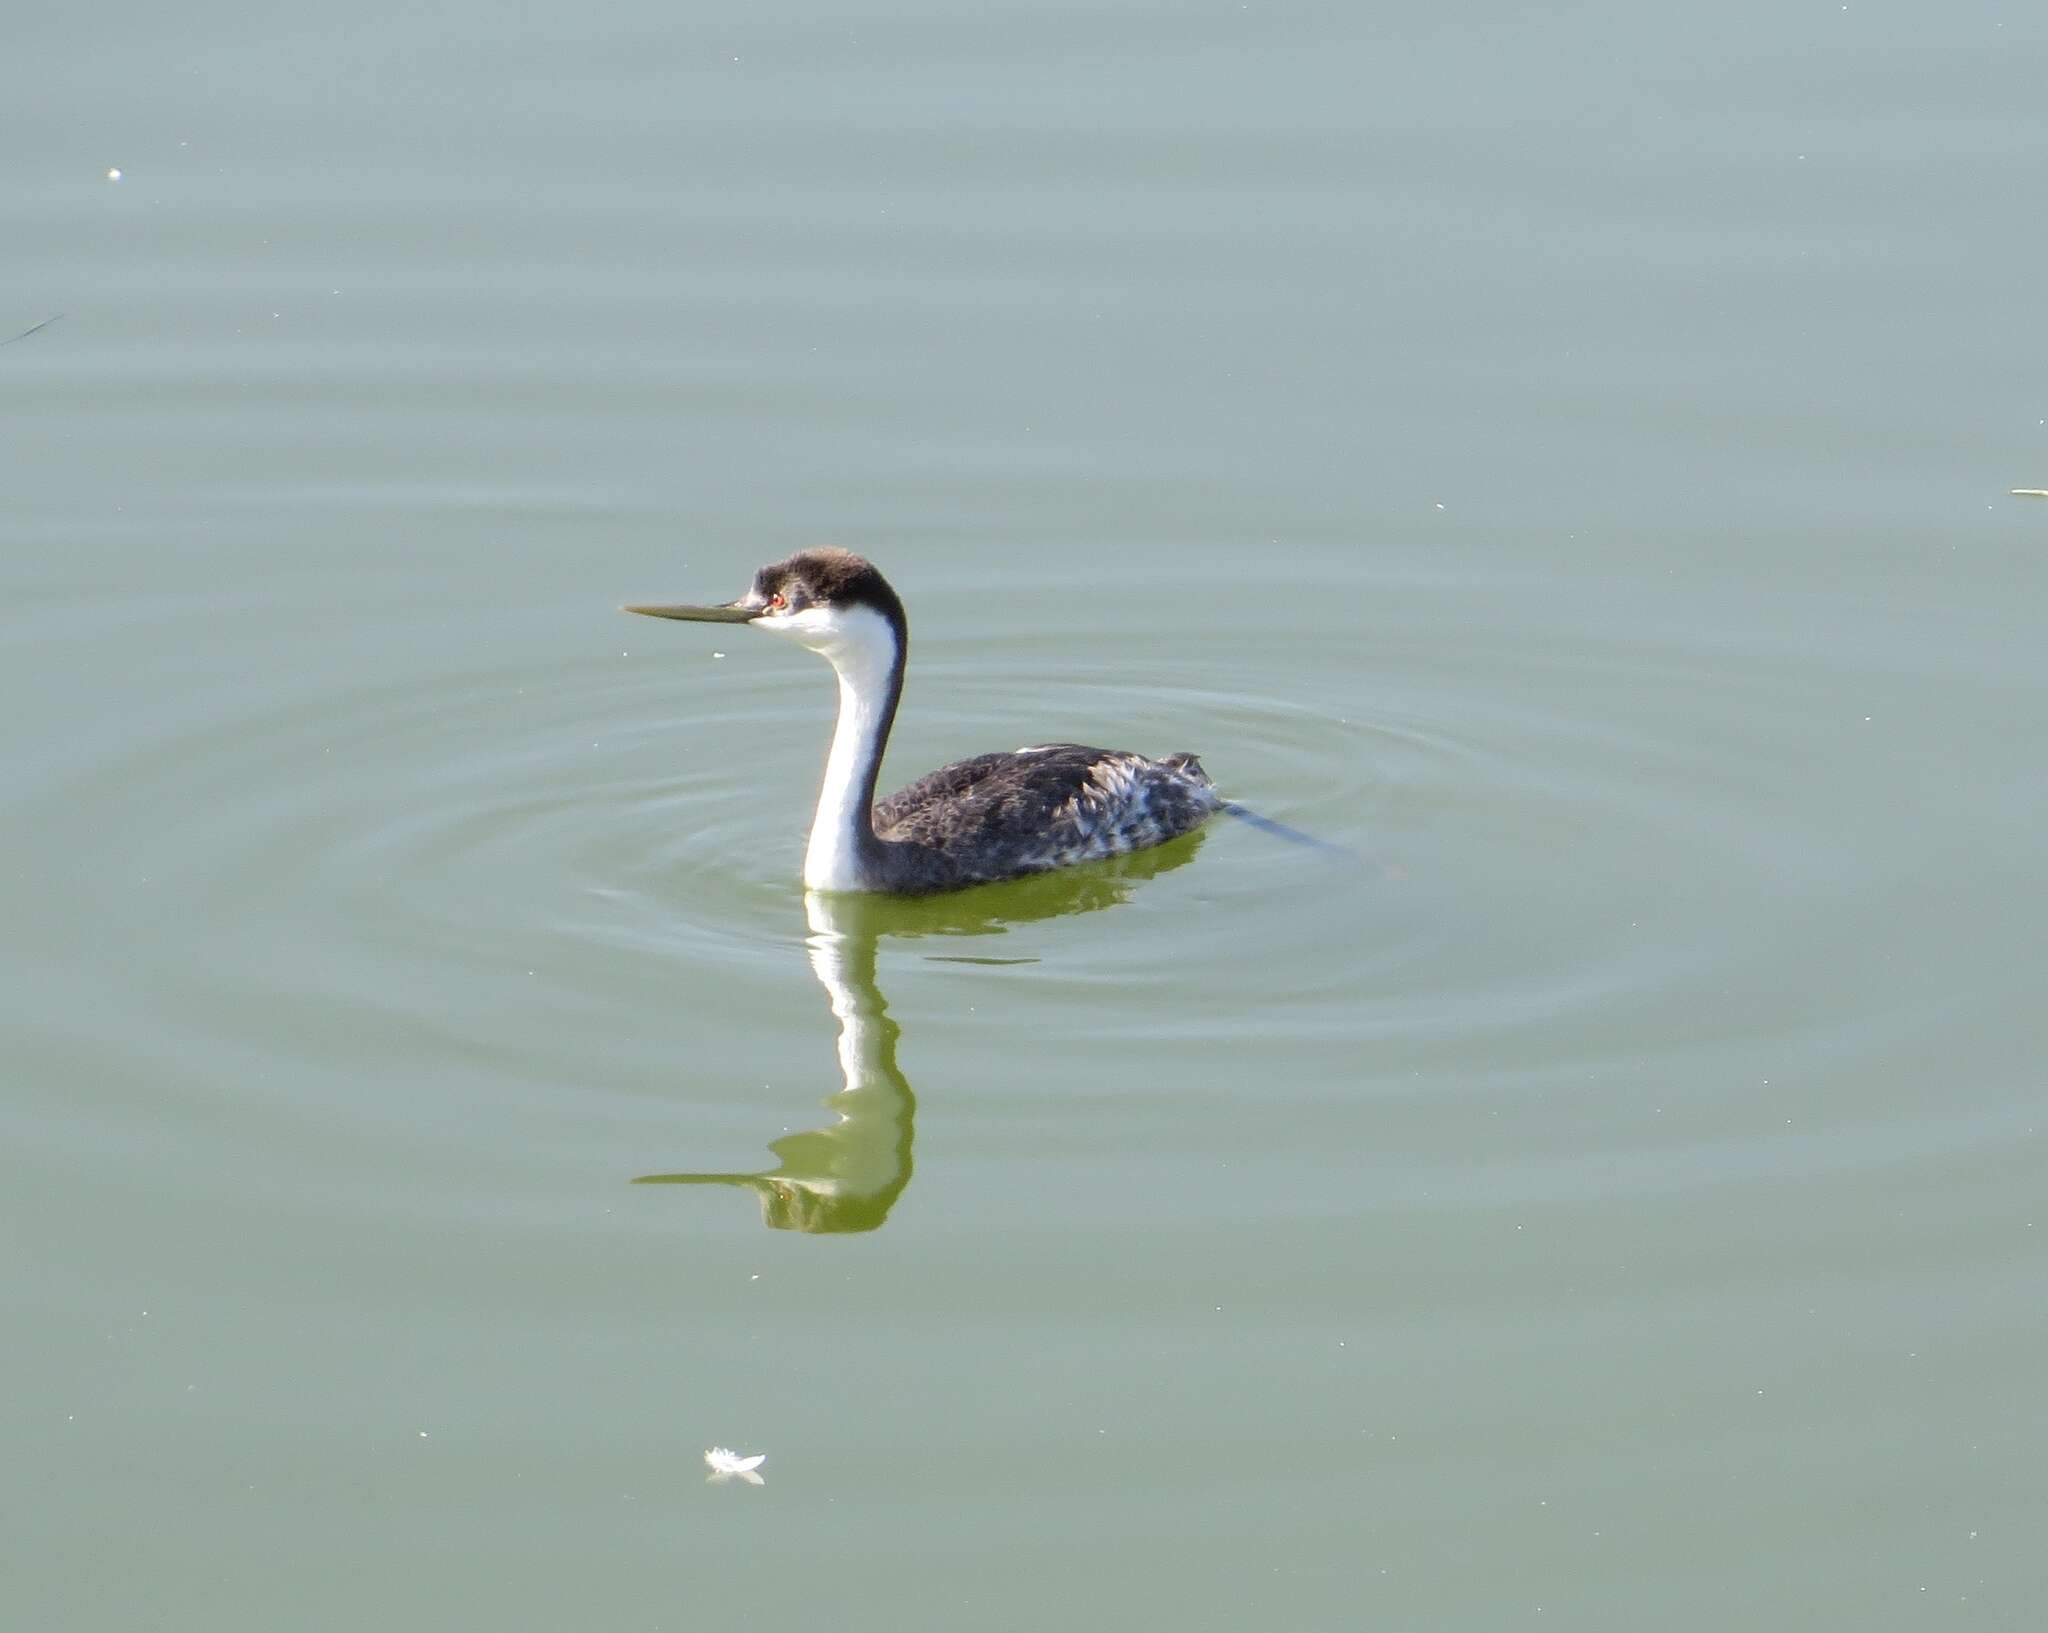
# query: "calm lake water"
x,y
1563,459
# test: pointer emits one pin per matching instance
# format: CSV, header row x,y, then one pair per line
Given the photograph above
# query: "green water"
x,y
1562,460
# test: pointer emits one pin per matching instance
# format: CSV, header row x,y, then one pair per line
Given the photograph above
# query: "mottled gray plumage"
x,y
997,816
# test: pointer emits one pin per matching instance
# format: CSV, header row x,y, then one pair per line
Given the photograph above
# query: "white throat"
x,y
860,644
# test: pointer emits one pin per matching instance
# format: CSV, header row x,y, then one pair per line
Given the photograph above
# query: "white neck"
x,y
861,647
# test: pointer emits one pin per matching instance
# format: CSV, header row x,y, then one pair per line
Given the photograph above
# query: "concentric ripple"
x,y
416,876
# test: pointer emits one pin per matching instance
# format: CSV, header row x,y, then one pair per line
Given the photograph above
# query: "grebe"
x,y
997,816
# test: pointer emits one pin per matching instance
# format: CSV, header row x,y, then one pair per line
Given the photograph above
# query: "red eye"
x,y
776,600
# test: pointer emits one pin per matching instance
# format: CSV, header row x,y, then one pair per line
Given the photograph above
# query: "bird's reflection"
x,y
847,1175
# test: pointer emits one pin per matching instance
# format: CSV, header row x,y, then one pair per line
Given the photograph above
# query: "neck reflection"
x,y
847,1175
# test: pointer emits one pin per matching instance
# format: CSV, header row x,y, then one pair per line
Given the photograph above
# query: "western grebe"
x,y
997,816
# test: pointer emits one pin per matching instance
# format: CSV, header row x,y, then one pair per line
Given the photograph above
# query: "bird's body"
x,y
1000,815
996,816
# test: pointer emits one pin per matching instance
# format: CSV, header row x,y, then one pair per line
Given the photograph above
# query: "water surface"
x,y
1563,461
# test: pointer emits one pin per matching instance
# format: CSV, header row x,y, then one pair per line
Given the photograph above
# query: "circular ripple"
x,y
410,853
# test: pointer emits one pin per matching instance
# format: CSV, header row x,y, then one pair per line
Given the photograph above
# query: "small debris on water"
x,y
726,1463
